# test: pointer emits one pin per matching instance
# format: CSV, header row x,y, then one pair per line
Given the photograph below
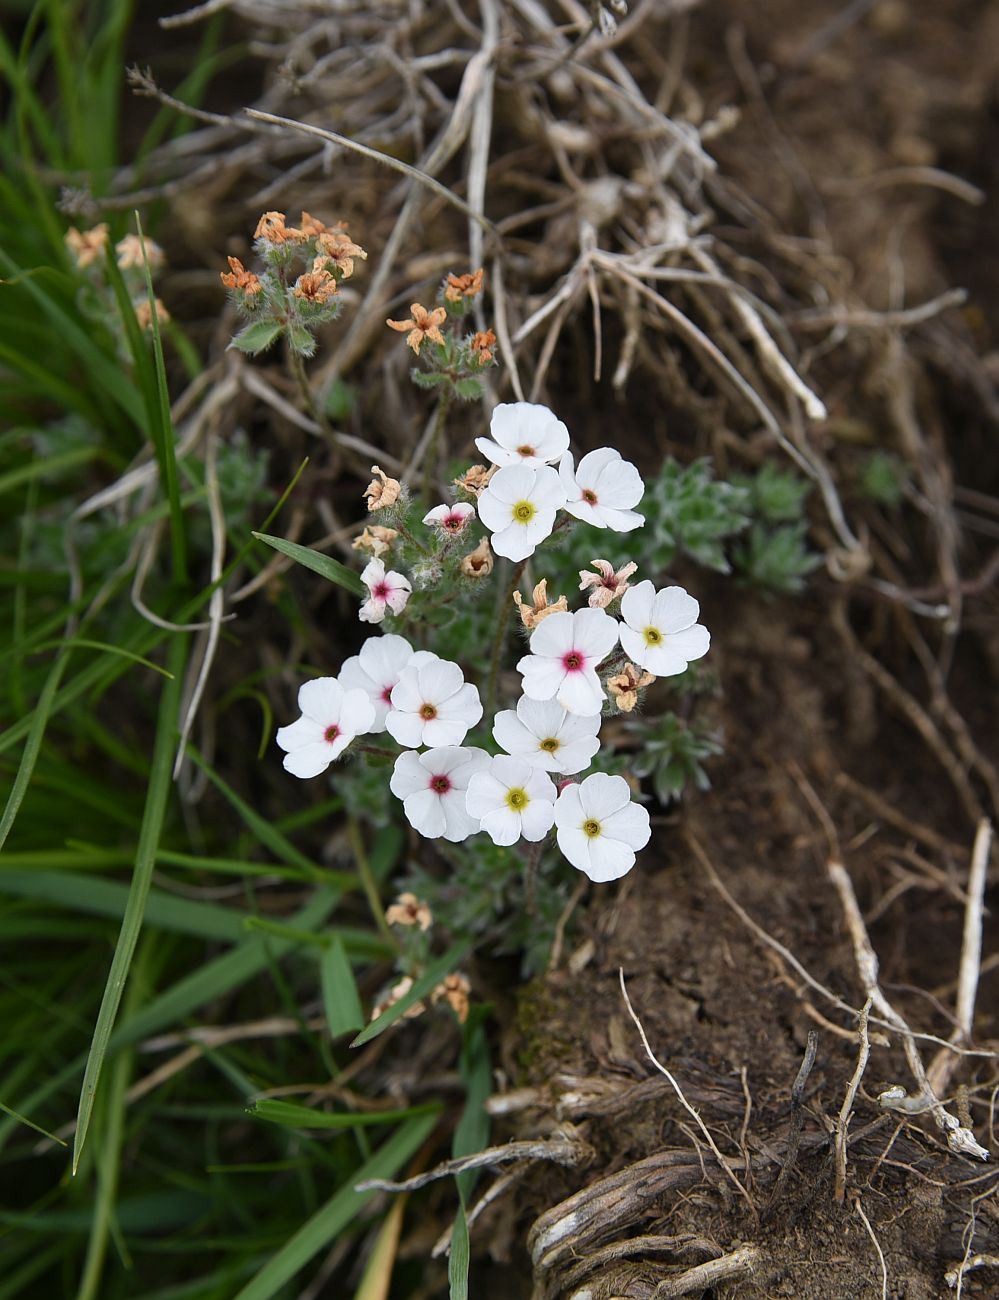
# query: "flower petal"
x,y
425,814
542,677
321,699
502,826
439,732
601,795
408,775
674,610
406,728
596,633
536,819
630,825
309,760
581,692
609,859
303,731
636,605
575,845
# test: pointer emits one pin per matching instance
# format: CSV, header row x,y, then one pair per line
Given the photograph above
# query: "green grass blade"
x,y
33,745
145,859
165,438
22,1119
328,1222
459,1258
292,1115
427,982
324,565
340,996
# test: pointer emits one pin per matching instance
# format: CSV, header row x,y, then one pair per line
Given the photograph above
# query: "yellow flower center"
x,y
428,712
652,636
550,744
591,827
517,799
524,511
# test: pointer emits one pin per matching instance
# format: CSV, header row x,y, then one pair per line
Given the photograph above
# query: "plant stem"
x,y
430,464
531,877
311,405
499,636
401,527
369,884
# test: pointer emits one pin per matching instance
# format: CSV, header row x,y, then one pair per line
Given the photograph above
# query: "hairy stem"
x,y
499,637
430,463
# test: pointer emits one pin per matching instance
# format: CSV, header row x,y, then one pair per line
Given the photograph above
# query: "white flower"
x,y
331,718
602,490
450,520
518,507
542,732
598,828
512,798
432,704
432,788
376,670
565,652
662,632
525,433
389,591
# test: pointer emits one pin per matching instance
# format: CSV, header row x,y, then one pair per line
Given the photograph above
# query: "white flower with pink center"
x,y
519,506
599,828
603,489
524,433
661,631
565,652
375,670
389,591
432,705
450,521
512,798
432,787
331,718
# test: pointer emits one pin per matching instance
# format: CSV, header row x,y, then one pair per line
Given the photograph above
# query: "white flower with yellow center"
x,y
432,704
565,651
599,828
524,433
512,798
432,787
661,631
547,736
518,507
603,490
331,718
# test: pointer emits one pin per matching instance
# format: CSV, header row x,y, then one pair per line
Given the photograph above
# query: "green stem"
x,y
369,884
531,877
401,527
430,464
298,370
499,637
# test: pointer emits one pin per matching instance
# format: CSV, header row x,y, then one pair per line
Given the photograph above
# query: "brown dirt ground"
x,y
907,86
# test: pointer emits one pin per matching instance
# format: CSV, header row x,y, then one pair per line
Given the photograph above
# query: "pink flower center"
x,y
589,496
440,784
454,523
331,733
573,662
381,591
387,694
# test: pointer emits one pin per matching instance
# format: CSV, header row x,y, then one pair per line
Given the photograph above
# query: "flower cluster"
x,y
522,773
88,249
452,360
295,290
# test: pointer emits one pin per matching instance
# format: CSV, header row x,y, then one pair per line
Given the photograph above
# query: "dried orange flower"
x,y
310,227
423,325
375,540
87,245
475,480
396,994
607,585
409,910
317,285
238,277
341,250
454,990
478,563
129,252
144,314
463,286
382,491
483,343
626,685
271,227
532,616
